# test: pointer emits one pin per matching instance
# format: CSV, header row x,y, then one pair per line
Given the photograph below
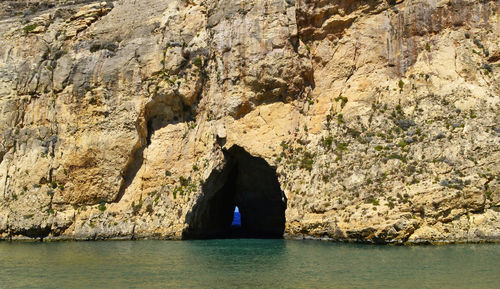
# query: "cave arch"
x,y
247,182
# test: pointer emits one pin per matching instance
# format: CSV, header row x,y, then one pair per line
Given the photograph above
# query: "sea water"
x,y
245,263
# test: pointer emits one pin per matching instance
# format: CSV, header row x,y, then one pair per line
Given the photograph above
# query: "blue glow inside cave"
x,y
236,218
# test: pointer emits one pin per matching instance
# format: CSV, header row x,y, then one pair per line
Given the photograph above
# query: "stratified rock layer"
x,y
380,117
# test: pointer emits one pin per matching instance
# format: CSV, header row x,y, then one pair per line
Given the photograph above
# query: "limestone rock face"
x,y
380,118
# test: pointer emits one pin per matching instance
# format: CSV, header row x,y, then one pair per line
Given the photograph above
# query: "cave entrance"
x,y
247,183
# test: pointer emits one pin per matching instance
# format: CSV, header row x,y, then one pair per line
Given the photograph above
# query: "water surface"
x,y
245,263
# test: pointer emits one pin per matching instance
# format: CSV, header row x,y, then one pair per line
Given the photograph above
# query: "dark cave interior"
x,y
247,182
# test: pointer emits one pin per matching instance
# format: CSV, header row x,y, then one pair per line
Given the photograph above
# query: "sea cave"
x,y
245,182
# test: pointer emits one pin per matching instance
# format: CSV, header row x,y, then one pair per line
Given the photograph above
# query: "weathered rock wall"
x,y
381,117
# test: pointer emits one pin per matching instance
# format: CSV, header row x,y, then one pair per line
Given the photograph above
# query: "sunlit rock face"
x,y
368,121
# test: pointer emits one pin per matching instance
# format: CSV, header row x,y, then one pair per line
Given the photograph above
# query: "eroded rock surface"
x,y
381,117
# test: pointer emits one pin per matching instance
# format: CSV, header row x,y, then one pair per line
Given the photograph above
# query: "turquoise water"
x,y
245,263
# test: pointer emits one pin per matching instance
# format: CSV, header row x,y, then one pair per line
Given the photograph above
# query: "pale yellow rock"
x,y
380,117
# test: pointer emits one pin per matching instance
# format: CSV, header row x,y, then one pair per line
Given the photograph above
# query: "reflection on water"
x,y
245,263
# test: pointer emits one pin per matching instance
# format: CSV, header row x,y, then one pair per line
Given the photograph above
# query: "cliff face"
x,y
368,120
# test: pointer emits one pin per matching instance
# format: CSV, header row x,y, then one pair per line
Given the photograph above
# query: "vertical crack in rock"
x,y
419,20
255,58
159,113
132,167
247,182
